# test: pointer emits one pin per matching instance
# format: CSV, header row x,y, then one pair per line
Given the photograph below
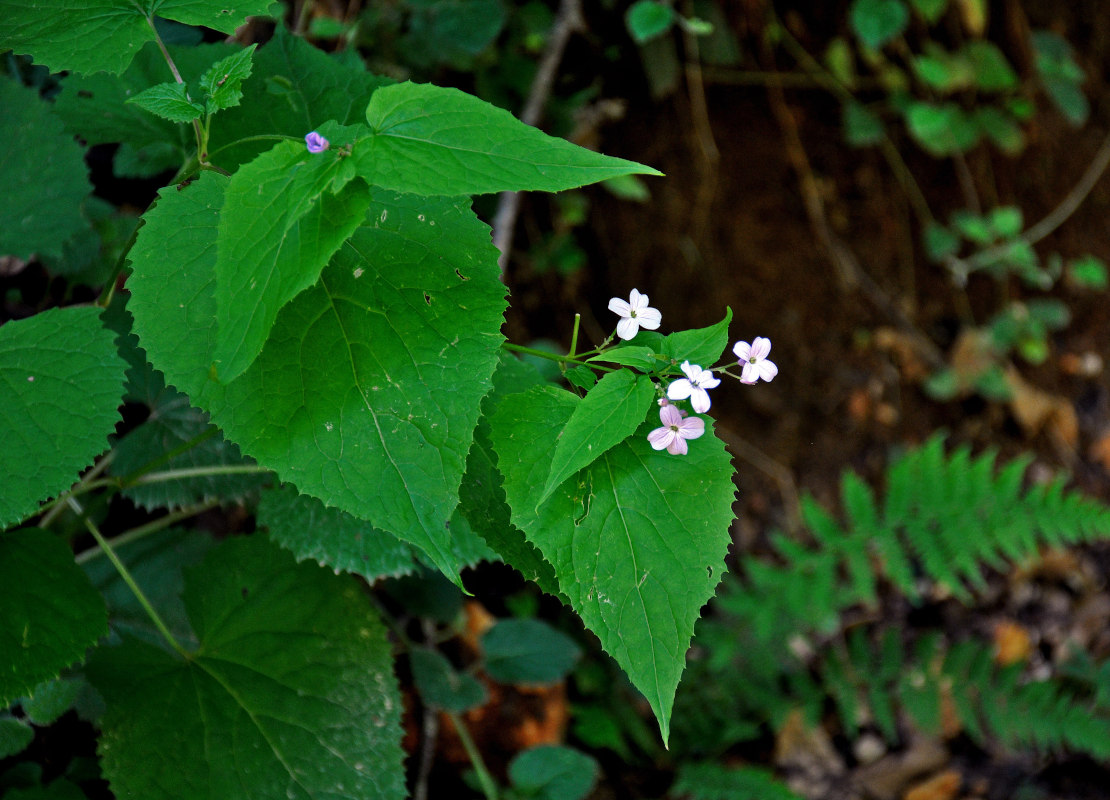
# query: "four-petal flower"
x,y
695,383
675,431
753,359
634,314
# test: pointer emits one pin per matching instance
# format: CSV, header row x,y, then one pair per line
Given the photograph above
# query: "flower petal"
x,y
767,369
649,318
680,389
699,399
637,300
691,428
761,347
743,350
620,307
627,328
661,437
750,373
677,447
670,415
707,381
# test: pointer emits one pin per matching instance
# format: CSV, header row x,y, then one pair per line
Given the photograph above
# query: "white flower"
x,y
634,314
753,358
695,383
675,431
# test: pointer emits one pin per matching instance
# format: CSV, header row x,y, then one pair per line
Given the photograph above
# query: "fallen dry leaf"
x,y
942,786
1011,643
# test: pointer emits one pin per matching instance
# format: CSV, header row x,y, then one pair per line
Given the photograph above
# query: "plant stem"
x,y
145,530
197,472
531,351
574,335
489,788
127,578
80,487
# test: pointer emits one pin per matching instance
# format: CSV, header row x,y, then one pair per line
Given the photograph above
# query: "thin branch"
x,y
567,21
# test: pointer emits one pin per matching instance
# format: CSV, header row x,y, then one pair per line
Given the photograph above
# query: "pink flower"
x,y
753,358
634,314
316,143
675,431
695,383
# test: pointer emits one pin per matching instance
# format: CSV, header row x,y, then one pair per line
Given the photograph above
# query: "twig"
x,y
567,21
699,110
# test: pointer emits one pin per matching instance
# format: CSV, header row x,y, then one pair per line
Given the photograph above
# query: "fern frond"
x,y
709,781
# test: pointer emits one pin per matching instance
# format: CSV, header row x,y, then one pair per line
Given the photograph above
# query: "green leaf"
x,y
291,685
169,101
435,141
61,382
701,346
609,414
862,127
481,497
1005,221
175,426
528,651
441,685
707,780
1089,271
1001,128
581,377
553,772
49,613
223,82
940,242
876,22
930,10
43,177
335,539
637,539
50,699
1060,75
285,215
96,35
648,19
643,358
157,564
60,789
15,735
367,392
993,72
941,130
293,89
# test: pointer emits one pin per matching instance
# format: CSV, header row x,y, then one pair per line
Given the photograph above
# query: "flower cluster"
x,y
678,428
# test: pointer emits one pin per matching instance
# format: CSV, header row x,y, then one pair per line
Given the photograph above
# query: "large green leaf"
x,y
609,414
338,540
367,392
104,35
49,613
431,140
61,381
637,539
43,177
290,693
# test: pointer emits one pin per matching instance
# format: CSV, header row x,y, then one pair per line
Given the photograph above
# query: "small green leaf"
x,y
15,735
169,101
292,684
1001,128
611,412
973,227
581,377
1005,221
1089,272
942,130
50,699
940,242
876,22
701,346
648,19
43,177
862,128
840,60
553,772
435,141
712,781
1060,75
49,612
528,651
930,10
993,72
441,685
223,82
95,35
642,358
61,382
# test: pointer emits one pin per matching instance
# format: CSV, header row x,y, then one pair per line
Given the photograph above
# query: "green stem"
x,y
80,487
128,579
574,335
167,457
269,137
531,351
489,788
195,472
145,530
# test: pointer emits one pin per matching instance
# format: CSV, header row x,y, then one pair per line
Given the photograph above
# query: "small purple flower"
x,y
675,431
753,360
695,383
316,143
